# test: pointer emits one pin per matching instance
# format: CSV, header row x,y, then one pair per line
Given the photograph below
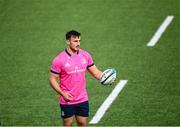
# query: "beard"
x,y
75,49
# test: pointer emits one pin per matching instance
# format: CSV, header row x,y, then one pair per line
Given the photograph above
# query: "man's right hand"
x,y
67,96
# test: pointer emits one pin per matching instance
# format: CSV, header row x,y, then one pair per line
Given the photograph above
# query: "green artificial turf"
x,y
116,33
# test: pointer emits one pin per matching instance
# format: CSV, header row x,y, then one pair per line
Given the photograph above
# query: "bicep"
x,y
53,75
95,72
93,69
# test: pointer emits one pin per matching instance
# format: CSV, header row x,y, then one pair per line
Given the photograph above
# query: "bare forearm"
x,y
54,84
97,75
95,72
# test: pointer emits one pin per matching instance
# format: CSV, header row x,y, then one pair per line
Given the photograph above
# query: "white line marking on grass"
x,y
106,104
160,31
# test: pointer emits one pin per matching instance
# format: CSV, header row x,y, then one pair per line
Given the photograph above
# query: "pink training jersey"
x,y
71,70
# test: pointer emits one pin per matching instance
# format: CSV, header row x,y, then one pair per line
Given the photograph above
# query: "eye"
x,y
77,41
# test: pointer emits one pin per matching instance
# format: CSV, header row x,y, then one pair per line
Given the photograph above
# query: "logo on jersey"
x,y
83,61
67,65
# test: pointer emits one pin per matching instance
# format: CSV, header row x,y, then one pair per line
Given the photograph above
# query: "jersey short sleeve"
x,y
56,66
90,60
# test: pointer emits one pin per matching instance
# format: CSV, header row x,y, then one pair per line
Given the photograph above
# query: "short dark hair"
x,y
73,33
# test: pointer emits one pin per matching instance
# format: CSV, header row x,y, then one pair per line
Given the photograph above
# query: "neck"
x,y
71,51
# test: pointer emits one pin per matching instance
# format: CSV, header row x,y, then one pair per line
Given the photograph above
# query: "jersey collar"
x,y
69,53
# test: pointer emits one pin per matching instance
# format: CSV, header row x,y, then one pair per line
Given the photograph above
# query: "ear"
x,y
67,42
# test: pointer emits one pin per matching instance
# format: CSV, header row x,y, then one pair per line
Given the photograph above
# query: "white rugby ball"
x,y
108,76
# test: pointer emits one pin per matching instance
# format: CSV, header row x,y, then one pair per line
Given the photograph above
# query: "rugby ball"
x,y
108,76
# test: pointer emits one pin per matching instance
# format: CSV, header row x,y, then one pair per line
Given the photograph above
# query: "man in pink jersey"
x,y
70,67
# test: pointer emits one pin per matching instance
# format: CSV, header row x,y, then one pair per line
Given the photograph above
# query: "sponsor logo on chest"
x,y
75,67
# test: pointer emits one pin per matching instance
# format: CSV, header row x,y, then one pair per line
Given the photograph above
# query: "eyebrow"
x,y
77,40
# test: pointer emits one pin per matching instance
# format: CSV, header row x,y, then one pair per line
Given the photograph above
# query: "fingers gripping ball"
x,y
108,76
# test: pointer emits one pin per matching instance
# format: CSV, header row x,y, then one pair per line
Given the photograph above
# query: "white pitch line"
x,y
160,31
106,104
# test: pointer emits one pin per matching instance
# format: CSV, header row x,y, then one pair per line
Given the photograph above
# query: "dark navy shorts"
x,y
80,109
